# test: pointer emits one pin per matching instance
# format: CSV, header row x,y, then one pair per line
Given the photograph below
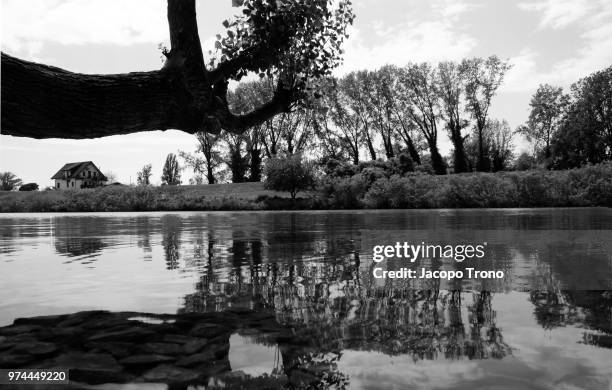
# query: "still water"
x,y
546,325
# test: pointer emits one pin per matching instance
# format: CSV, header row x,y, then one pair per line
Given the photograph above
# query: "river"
x,y
547,324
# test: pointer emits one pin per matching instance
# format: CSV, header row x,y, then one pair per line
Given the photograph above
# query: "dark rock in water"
x,y
167,373
198,358
162,348
41,320
19,329
92,367
104,347
87,361
81,317
176,338
5,343
10,360
213,369
35,348
194,345
131,334
219,349
206,330
143,360
116,348
69,331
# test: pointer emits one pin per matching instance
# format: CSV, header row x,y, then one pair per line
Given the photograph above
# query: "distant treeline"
x,y
377,184
380,114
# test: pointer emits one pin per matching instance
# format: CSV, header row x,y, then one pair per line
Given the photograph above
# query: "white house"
x,y
78,175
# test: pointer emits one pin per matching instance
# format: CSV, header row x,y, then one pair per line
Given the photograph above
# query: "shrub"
x,y
29,187
337,168
289,174
345,193
587,186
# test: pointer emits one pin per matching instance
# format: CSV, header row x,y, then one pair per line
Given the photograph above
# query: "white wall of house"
x,y
68,184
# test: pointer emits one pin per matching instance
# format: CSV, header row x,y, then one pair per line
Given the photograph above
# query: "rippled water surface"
x,y
545,325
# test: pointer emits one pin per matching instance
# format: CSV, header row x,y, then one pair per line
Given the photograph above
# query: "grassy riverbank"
x,y
584,187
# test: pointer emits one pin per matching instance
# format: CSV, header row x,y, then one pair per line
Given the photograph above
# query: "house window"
x,y
58,184
88,174
73,184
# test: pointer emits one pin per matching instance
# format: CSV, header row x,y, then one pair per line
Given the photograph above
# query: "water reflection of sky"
x,y
541,359
312,271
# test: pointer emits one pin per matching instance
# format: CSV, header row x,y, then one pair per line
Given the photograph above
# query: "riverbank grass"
x,y
589,186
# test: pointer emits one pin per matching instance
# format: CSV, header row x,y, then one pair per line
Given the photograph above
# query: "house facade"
x,y
84,174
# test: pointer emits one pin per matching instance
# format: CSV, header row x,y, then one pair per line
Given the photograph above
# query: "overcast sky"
x,y
547,41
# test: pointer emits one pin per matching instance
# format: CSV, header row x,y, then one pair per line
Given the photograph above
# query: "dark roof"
x,y
74,169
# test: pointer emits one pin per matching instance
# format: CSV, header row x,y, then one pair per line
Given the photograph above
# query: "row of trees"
x,y
171,173
370,115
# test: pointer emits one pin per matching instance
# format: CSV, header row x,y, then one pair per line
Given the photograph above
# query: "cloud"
x,y
433,39
560,13
594,25
75,22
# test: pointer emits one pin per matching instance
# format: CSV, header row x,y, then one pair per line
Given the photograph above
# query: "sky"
x,y
546,41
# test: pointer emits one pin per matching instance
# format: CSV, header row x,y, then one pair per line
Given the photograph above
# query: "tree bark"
x,y
459,157
437,161
41,101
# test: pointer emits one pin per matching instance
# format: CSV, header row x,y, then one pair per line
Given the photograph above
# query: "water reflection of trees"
x,y
321,291
171,240
589,309
77,237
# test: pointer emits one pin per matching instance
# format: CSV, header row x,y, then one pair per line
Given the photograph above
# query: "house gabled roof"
x,y
74,169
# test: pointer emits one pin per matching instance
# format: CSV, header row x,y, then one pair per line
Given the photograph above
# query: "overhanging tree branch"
x,y
41,101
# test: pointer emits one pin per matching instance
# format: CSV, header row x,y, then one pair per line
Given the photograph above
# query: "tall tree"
x,y
497,143
245,98
378,86
329,137
451,79
297,130
500,140
418,86
399,117
483,78
346,123
353,87
548,106
209,163
9,181
171,174
212,156
296,40
236,157
143,176
585,135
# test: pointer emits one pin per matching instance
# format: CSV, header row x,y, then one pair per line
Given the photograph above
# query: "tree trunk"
x,y
388,144
437,161
414,154
370,145
255,165
459,157
483,164
210,174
